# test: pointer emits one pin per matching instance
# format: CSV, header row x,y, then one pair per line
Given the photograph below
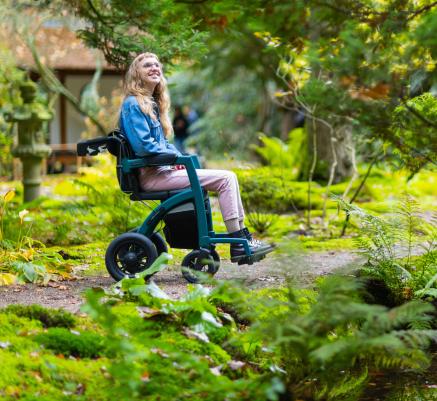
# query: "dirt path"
x,y
268,273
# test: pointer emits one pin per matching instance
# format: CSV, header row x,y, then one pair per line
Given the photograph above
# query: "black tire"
x,y
159,242
128,254
204,261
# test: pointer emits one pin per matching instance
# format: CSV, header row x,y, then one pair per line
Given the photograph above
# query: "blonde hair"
x,y
134,86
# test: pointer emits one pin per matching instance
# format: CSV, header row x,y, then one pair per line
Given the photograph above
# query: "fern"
x,y
389,244
262,222
349,387
274,152
337,332
95,196
408,211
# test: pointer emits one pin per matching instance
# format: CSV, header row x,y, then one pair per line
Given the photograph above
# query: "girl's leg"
x,y
221,181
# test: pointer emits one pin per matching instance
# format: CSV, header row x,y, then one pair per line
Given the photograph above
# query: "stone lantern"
x,y
31,148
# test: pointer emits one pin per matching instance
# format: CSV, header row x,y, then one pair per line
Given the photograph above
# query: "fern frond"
x,y
426,292
349,386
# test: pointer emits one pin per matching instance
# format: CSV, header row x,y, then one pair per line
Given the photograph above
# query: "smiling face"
x,y
150,71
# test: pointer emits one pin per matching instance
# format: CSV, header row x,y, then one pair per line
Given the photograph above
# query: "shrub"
x,y
273,190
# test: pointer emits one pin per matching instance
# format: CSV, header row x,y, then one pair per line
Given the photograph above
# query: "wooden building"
x,y
74,65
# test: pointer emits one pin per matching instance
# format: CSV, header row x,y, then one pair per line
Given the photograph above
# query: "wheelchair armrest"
x,y
162,159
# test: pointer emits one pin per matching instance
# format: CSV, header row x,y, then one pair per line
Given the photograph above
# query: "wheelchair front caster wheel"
x,y
128,254
159,243
200,261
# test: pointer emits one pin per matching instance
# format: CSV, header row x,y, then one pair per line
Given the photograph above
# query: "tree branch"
x,y
421,10
191,1
99,16
358,190
421,117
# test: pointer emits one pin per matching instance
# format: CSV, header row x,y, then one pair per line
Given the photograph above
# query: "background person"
x,y
180,128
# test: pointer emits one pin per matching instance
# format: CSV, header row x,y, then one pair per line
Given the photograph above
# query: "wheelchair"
x,y
186,214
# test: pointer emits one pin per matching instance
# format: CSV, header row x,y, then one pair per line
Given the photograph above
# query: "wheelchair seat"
x,y
160,195
154,195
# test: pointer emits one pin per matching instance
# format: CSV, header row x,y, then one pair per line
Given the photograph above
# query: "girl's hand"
x,y
179,167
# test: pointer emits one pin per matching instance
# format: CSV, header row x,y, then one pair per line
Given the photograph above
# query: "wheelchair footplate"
x,y
255,257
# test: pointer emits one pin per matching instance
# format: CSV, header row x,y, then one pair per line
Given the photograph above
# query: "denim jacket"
x,y
144,134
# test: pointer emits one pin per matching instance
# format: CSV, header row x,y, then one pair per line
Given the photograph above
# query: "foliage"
x,y
326,344
48,317
288,155
4,201
221,129
135,27
30,272
10,79
262,223
23,259
249,346
5,154
269,189
416,116
151,349
390,244
273,190
348,64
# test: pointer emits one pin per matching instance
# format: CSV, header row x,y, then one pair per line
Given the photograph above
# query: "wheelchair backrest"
x,y
116,144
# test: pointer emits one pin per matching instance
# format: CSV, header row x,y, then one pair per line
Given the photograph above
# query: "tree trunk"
x,y
289,121
326,139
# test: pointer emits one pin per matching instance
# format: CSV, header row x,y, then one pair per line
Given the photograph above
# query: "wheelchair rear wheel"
x,y
200,261
128,254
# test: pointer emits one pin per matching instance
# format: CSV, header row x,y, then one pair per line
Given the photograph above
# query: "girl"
x,y
145,121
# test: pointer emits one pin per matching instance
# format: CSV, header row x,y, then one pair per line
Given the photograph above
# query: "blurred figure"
x,y
180,127
191,116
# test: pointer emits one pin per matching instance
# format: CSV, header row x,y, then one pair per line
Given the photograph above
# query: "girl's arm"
x,y
138,133
172,148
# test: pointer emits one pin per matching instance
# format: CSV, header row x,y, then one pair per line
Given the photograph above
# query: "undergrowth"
x,y
226,343
400,249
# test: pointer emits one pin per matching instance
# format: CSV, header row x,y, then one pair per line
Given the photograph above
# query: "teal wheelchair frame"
x,y
135,251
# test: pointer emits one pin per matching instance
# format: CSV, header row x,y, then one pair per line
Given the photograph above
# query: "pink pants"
x,y
222,181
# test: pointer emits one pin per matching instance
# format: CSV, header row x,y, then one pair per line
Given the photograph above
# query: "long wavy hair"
x,y
134,86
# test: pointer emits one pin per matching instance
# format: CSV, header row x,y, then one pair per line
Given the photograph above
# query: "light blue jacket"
x,y
144,134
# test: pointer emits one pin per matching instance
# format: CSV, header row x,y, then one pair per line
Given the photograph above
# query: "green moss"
x,y
323,244
86,259
11,324
77,344
37,376
176,340
48,317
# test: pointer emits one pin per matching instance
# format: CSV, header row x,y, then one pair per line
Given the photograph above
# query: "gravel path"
x,y
270,272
